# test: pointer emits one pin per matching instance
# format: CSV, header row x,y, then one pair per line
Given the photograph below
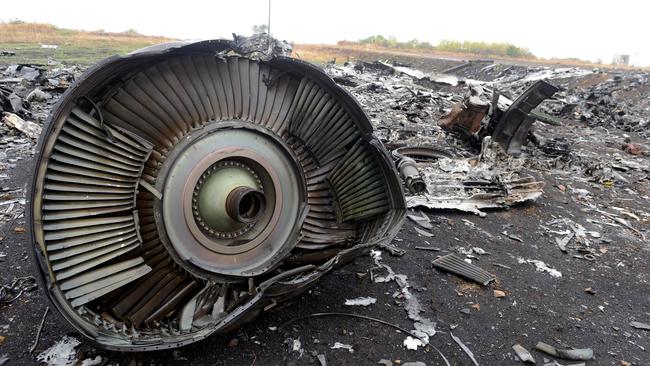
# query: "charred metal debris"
x,y
184,188
508,123
416,113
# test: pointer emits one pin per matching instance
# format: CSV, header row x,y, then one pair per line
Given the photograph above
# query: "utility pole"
x,y
268,26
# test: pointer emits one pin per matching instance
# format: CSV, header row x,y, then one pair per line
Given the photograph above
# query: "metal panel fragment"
x,y
455,264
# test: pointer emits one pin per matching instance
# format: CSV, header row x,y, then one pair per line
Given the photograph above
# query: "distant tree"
x,y
261,28
131,32
479,48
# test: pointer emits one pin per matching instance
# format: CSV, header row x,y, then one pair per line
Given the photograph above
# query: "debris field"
x,y
526,237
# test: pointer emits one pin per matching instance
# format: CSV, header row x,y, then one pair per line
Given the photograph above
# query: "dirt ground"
x,y
536,307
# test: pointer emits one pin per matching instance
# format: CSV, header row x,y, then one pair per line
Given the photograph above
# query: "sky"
x,y
591,30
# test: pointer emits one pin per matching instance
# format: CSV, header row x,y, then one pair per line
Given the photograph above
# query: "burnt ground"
x,y
537,306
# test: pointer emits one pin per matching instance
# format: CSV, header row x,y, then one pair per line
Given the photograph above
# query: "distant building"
x,y
621,60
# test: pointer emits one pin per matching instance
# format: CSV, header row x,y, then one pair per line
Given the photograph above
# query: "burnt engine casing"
x,y
184,188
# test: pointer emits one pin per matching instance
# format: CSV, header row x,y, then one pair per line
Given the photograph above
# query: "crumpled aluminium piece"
x,y
30,129
261,46
471,185
507,194
132,159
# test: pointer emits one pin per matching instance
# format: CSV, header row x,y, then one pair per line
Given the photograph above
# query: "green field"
x,y
78,47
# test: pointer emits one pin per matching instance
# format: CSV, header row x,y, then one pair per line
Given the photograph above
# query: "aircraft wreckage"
x,y
184,188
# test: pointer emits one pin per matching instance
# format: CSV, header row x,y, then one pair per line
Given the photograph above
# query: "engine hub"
x,y
238,194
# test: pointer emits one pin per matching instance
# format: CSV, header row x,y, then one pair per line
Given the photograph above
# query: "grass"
x,y
74,46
